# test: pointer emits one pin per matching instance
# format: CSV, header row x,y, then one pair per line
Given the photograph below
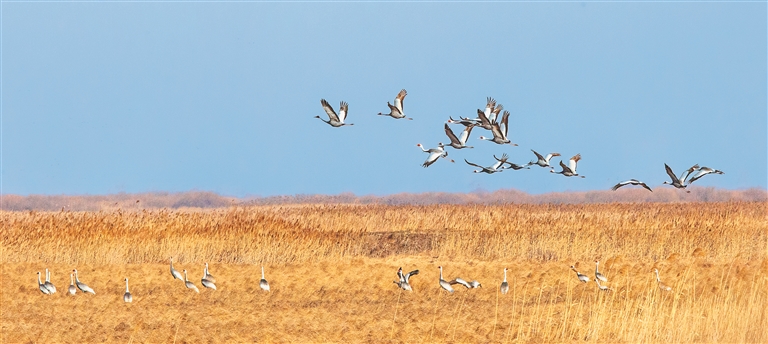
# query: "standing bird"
x,y
189,284
500,131
703,172
570,170
72,288
335,120
396,111
679,183
662,286
581,276
82,286
263,282
42,286
598,275
541,160
127,297
504,285
434,154
174,273
456,142
443,283
207,282
631,182
403,279
48,283
207,275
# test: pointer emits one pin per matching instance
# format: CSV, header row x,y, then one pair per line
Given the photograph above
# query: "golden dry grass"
x,y
331,270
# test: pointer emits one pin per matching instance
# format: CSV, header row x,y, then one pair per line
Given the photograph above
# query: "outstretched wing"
x,y
476,165
344,107
574,160
538,156
465,134
687,173
505,123
329,110
670,173
451,135
399,100
565,168
408,275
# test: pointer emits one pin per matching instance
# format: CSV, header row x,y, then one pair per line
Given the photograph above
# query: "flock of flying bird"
x,y
489,119
207,281
403,280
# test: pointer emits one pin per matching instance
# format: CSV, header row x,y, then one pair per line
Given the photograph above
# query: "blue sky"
x,y
107,97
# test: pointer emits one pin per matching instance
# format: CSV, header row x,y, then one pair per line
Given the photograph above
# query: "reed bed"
x,y
331,269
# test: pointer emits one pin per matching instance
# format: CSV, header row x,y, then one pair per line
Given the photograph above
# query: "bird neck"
x,y
262,272
505,275
126,285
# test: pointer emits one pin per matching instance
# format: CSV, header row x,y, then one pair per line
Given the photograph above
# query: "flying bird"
x,y
680,182
701,172
335,120
499,131
511,165
456,142
396,111
434,154
541,160
496,167
570,170
631,182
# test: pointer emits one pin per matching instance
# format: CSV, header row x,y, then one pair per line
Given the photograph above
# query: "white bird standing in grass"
x,y
42,286
207,283
263,284
598,275
82,286
174,273
189,284
443,283
207,275
127,297
72,288
48,283
581,276
504,285
662,286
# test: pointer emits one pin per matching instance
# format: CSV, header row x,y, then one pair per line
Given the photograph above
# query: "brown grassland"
x,y
331,269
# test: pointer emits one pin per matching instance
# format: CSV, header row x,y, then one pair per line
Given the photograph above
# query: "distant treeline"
x,y
206,200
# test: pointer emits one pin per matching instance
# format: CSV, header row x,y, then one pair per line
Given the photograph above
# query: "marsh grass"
x,y
331,269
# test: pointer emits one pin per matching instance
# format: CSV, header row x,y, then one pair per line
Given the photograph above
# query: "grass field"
x,y
331,270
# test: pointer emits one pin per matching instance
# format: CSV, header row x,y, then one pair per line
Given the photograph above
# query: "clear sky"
x,y
107,97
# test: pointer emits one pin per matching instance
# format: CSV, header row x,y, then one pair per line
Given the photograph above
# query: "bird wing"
x,y
565,168
408,275
483,118
465,134
399,100
505,122
343,108
646,186
538,156
393,109
574,161
617,186
451,135
490,104
687,173
700,173
459,281
476,165
496,131
670,173
433,156
329,110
